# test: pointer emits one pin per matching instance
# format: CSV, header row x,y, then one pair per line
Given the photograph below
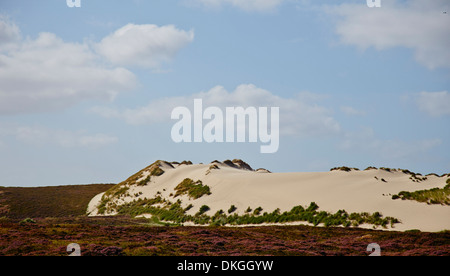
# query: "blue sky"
x,y
86,93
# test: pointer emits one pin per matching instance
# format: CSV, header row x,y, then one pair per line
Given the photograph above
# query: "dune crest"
x,y
234,188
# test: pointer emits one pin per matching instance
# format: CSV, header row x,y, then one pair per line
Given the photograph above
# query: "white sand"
x,y
355,191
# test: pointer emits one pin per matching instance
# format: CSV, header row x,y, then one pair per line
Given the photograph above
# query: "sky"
x,y
86,93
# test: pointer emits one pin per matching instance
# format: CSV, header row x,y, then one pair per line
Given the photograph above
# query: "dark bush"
x,y
257,211
204,209
232,209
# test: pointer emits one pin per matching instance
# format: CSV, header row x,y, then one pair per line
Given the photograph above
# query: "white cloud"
x,y
350,111
47,73
434,103
247,5
366,142
63,138
144,45
9,34
419,25
298,116
97,140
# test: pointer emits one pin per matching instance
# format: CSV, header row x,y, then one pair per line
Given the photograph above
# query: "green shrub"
x,y
101,208
407,172
257,211
156,171
431,196
203,209
343,168
433,174
232,209
143,182
117,190
174,213
195,190
28,221
312,207
189,207
219,213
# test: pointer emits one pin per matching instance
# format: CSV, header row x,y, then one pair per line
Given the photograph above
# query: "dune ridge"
x,y
235,183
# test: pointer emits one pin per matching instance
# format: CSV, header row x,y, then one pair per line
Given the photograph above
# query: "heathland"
x,y
229,209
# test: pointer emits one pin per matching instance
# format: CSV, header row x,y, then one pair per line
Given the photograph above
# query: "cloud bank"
x,y
47,74
418,25
435,104
299,116
144,45
41,136
365,141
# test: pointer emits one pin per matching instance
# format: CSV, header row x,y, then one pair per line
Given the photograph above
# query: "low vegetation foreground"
x,y
181,209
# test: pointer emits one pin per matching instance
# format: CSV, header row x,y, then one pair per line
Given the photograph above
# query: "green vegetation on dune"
x,y
232,209
195,190
151,170
416,177
344,168
141,178
431,196
165,211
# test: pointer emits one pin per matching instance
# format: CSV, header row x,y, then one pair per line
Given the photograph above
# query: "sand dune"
x,y
236,184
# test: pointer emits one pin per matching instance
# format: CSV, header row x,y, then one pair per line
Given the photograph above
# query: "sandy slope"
x,y
355,191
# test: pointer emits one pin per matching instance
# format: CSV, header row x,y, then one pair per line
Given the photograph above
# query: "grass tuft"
x,y
195,190
431,196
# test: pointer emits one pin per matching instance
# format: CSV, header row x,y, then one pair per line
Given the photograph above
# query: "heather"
x,y
123,236
56,201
